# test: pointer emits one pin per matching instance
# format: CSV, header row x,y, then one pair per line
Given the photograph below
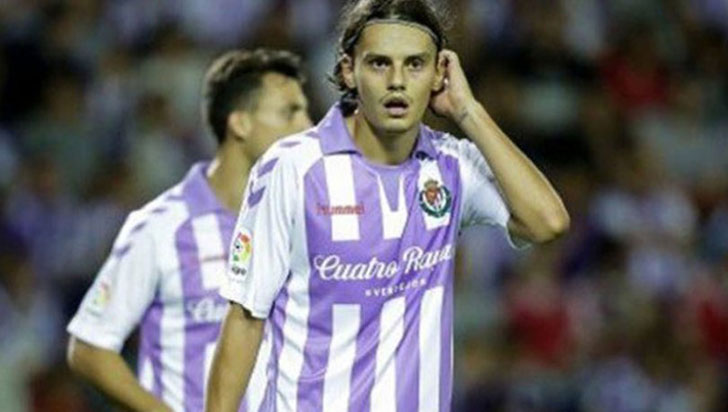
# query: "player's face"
x,y
395,73
281,110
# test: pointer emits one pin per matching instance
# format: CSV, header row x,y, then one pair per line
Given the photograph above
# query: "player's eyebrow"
x,y
423,56
373,55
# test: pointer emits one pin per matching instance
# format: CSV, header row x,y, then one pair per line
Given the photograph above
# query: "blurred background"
x,y
623,104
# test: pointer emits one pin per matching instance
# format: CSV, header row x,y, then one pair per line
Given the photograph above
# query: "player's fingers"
x,y
450,56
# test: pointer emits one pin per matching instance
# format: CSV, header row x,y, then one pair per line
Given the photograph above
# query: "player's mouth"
x,y
396,106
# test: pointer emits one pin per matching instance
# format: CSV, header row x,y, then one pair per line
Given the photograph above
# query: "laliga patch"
x,y
435,199
242,249
101,297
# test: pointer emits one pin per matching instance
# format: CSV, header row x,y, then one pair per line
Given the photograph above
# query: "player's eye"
x,y
379,63
416,64
288,113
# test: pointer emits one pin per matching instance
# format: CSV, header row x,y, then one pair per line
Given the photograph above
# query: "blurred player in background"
x,y
350,240
166,264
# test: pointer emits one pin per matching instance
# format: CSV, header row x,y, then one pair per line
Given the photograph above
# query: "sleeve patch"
x,y
240,255
100,298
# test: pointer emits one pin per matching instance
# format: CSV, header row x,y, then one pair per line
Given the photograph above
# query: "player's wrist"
x,y
468,112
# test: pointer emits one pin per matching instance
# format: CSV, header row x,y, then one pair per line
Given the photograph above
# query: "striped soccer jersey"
x,y
352,264
163,274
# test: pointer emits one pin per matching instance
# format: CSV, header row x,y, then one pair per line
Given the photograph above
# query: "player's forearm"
x,y
237,349
534,203
109,372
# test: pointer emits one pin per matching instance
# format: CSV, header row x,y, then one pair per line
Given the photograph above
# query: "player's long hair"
x,y
354,18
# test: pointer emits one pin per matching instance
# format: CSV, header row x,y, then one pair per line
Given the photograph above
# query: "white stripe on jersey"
x,y
342,351
295,330
393,221
209,354
429,170
391,330
146,375
430,326
340,183
210,250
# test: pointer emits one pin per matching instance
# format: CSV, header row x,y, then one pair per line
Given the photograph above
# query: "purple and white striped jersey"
x,y
352,263
163,274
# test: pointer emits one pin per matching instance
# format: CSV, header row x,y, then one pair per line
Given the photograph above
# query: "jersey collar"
x,y
197,193
335,136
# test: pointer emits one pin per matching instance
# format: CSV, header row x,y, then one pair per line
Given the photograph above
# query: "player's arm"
x,y
259,264
113,306
108,372
237,345
537,212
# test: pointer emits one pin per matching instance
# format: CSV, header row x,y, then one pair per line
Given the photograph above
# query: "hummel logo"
x,y
327,210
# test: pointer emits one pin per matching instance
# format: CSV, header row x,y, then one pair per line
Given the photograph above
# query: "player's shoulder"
x,y
164,212
449,145
296,152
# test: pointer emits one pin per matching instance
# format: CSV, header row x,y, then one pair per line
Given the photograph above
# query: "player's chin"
x,y
397,126
391,124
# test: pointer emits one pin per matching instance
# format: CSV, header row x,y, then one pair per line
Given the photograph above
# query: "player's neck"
x,y
380,147
228,176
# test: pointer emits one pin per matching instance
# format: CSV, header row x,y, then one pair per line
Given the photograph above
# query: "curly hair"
x,y
358,13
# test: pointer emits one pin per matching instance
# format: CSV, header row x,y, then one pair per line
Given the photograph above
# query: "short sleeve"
x,y
122,291
260,251
483,203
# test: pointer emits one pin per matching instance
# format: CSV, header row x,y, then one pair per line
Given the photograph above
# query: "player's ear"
x,y
240,125
440,71
347,71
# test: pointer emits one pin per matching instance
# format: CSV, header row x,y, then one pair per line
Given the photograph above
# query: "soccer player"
x,y
347,242
168,260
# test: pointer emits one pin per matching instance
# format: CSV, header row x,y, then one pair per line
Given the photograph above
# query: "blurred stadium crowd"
x,y
623,103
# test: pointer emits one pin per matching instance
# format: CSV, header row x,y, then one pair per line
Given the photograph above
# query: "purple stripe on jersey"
x,y
120,252
267,166
194,344
290,144
390,182
150,342
123,250
255,197
159,209
277,322
408,356
363,371
318,341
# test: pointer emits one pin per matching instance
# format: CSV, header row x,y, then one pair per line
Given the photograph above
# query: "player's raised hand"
x,y
454,97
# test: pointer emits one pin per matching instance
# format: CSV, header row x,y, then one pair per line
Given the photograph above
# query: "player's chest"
x,y
349,203
375,235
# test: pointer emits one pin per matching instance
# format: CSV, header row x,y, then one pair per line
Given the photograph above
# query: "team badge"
x,y
435,199
242,249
